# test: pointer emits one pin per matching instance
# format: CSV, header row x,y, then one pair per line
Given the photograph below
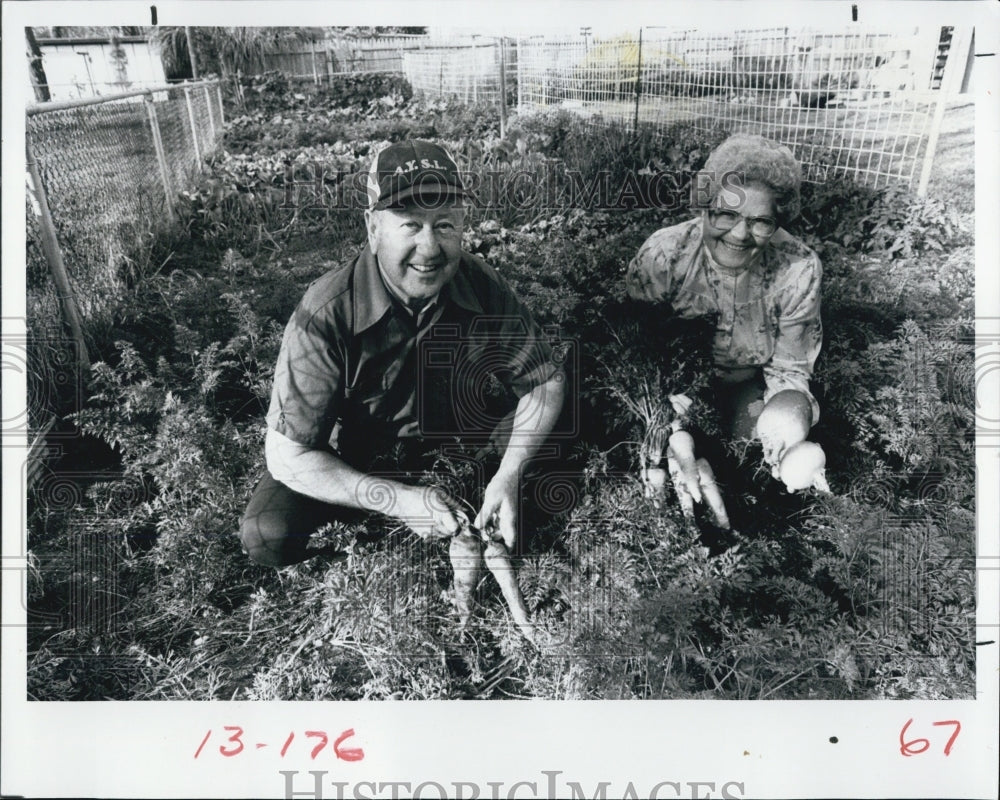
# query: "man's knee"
x,y
269,542
277,523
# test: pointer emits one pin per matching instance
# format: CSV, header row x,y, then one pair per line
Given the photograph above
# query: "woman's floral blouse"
x,y
768,314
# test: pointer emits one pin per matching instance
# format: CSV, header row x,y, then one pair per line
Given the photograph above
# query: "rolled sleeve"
x,y
799,335
306,397
529,358
648,276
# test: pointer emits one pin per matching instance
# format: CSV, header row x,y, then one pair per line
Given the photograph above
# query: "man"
x,y
398,346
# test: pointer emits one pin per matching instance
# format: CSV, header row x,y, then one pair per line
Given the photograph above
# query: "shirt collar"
x,y
755,267
372,300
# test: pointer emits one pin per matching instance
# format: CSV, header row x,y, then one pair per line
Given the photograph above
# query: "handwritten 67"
x,y
915,747
235,745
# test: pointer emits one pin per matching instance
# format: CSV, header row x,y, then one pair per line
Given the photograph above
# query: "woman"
x,y
735,259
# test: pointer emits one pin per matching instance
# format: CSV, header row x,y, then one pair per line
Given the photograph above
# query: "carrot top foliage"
x,y
139,589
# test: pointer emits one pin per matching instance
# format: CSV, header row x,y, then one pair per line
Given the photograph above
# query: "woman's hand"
x,y
784,422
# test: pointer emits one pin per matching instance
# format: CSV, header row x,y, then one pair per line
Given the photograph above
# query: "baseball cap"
x,y
413,167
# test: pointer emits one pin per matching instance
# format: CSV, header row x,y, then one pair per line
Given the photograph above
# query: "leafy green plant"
x,y
865,594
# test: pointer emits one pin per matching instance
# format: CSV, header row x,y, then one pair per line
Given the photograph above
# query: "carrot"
x,y
498,561
680,487
466,554
710,489
682,448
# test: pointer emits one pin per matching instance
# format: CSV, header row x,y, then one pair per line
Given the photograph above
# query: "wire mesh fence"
x,y
847,102
107,170
850,102
468,72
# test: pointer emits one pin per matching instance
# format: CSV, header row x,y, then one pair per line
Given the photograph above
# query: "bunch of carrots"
x,y
470,548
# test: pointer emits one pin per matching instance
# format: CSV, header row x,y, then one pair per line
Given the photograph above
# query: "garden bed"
x,y
139,588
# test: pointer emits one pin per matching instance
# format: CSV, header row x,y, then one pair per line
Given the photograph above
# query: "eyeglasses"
x,y
726,220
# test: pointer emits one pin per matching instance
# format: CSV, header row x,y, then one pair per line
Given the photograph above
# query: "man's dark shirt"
x,y
357,370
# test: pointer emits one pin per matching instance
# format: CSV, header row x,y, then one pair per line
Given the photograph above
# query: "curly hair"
x,y
753,159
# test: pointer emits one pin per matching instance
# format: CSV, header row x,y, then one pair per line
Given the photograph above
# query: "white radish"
x,y
783,423
654,481
681,447
710,489
803,466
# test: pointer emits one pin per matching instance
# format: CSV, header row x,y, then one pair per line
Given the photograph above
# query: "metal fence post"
x,y
50,246
222,111
194,126
503,90
638,84
211,114
545,76
161,158
520,76
475,74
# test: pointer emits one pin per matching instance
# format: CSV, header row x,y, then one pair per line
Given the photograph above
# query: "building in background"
x,y
99,65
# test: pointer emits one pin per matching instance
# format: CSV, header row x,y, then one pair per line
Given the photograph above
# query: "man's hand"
x,y
500,500
534,418
430,512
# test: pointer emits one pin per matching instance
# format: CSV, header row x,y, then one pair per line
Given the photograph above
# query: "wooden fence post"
x,y
194,127
50,246
190,47
161,158
954,71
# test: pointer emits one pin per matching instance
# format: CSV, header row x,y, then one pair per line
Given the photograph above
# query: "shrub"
x,y
891,221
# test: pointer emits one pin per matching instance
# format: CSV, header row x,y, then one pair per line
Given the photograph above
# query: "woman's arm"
x,y
799,336
650,275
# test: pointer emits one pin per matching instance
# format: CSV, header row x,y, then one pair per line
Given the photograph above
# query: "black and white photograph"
x,y
617,357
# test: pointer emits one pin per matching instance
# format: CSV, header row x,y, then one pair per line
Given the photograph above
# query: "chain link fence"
x,y
859,103
106,170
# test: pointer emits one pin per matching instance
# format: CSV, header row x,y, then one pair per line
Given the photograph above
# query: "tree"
x,y
225,51
36,69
